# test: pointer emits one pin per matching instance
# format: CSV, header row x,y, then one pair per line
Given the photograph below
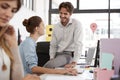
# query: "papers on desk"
x,y
79,69
85,76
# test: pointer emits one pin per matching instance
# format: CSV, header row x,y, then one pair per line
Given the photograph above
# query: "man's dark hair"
x,y
68,6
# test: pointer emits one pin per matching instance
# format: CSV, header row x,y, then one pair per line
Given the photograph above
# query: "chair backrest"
x,y
42,50
43,47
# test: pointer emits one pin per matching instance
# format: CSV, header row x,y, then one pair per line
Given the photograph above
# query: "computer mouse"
x,y
91,71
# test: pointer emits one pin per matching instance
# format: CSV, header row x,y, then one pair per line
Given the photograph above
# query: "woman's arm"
x,y
31,77
40,70
17,67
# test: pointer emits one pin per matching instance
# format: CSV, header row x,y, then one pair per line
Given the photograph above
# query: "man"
x,y
66,43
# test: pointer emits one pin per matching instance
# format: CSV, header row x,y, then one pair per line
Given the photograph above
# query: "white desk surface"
x,y
86,75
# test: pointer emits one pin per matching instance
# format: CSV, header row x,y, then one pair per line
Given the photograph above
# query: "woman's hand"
x,y
31,77
10,37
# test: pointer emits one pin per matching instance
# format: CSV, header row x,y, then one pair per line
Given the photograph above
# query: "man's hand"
x,y
71,65
71,71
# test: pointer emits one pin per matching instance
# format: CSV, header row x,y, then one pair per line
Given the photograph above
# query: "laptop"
x,y
89,57
88,60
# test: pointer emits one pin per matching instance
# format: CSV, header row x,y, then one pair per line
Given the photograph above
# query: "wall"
x,y
41,9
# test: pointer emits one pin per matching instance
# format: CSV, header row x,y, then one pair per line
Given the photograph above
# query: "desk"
x,y
86,75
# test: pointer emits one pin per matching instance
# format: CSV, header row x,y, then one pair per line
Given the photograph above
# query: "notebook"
x,y
106,60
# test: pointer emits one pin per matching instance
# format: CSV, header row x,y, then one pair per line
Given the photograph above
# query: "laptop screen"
x,y
90,55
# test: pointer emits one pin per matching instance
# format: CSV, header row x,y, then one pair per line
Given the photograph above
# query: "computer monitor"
x,y
97,55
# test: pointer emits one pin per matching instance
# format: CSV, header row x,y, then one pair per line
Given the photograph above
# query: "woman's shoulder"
x,y
28,41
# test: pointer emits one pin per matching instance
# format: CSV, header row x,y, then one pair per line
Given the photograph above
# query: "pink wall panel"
x,y
112,46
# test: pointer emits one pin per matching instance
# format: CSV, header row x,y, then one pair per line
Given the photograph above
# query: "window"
x,y
55,3
115,25
115,4
104,13
29,4
93,4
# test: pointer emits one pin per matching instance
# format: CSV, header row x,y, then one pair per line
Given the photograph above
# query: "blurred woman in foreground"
x,y
10,61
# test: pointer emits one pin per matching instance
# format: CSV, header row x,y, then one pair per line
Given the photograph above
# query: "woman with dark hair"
x,y
34,25
10,62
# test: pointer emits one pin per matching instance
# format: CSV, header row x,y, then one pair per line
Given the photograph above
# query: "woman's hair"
x,y
68,6
18,4
32,23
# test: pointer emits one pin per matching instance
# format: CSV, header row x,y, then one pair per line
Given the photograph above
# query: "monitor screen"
x,y
96,61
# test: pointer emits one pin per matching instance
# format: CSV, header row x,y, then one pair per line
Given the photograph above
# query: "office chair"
x,y
42,50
